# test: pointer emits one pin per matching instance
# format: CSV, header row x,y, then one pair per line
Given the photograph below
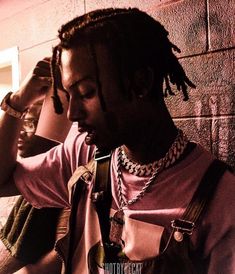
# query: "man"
x,y
113,64
30,144
26,223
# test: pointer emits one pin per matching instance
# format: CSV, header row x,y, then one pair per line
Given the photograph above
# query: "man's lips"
x,y
90,137
20,141
20,145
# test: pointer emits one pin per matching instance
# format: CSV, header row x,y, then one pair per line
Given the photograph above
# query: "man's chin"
x,y
24,152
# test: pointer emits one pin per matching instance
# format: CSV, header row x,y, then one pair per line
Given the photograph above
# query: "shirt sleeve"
x,y
42,179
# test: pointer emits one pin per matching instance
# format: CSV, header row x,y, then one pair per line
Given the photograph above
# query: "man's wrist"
x,y
13,110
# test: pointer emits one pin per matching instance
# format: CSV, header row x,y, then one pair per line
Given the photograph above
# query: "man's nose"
x,y
76,110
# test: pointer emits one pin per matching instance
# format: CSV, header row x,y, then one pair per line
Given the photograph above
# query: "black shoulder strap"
x,y
101,195
175,249
201,198
205,191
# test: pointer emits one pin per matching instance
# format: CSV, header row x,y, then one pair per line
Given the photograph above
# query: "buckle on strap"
x,y
97,196
183,226
101,155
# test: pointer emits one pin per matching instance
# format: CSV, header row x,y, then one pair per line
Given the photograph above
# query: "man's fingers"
x,y
38,81
48,59
45,64
45,80
40,71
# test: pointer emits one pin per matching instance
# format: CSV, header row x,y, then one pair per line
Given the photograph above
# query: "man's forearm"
x,y
33,88
9,133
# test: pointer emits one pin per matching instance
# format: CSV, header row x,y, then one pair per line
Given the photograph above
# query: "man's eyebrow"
x,y
79,81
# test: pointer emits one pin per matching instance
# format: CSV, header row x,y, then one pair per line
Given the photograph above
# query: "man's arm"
x,y
32,89
9,132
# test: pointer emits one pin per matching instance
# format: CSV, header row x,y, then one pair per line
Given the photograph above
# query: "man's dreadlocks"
x,y
135,41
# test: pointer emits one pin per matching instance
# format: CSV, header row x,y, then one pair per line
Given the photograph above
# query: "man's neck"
x,y
152,144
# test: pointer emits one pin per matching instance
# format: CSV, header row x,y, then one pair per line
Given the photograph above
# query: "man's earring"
x,y
141,94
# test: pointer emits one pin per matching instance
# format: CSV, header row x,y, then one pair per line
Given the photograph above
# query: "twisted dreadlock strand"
x,y
135,40
168,87
176,75
56,99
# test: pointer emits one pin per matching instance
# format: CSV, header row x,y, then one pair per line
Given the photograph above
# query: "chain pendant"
x,y
116,228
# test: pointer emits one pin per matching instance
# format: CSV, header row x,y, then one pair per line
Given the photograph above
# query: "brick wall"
x,y
202,29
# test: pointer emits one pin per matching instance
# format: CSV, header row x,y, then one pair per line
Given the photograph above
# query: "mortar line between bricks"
x,y
208,52
84,5
21,11
204,117
38,44
208,34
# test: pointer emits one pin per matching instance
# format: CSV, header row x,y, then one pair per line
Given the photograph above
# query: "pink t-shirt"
x,y
43,179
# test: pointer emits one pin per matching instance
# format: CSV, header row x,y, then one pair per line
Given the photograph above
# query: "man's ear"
x,y
142,82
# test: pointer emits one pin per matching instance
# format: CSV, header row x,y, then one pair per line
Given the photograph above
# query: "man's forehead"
x,y
84,60
74,55
84,53
75,63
